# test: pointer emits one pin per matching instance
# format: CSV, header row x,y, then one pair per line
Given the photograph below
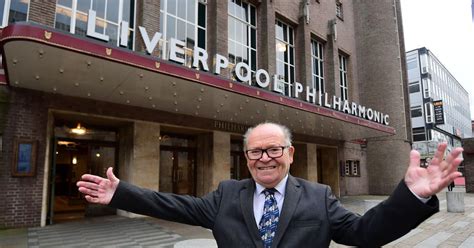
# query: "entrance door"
x,y
74,158
178,170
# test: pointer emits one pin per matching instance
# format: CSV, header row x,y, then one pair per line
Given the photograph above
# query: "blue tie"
x,y
268,223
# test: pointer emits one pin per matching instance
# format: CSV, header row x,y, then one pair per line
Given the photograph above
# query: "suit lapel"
x,y
246,204
292,196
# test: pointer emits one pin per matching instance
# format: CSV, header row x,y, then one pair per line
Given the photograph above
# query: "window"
x,y
71,16
412,64
184,21
414,87
13,11
352,168
317,63
419,134
339,10
343,84
285,55
416,111
242,28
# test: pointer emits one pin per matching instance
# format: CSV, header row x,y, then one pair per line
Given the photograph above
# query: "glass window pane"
x,y
18,11
81,24
190,34
253,16
181,30
63,19
99,7
202,38
230,28
67,3
83,5
170,27
182,9
253,58
253,37
232,52
112,11
202,15
191,11
279,31
171,5
112,32
292,56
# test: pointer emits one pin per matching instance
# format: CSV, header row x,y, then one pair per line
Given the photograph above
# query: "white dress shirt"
x,y
259,198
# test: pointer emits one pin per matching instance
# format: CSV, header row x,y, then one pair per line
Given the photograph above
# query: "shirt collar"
x,y
280,187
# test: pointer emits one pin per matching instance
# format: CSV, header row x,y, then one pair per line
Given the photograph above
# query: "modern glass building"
x,y
439,105
164,90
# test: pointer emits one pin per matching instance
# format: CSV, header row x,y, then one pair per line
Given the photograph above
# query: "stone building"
x,y
164,90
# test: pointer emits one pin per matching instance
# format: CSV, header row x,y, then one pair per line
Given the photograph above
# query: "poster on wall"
x,y
24,158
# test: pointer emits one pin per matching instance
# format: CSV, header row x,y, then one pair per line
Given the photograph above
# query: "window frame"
x,y
6,13
317,61
288,55
339,10
343,81
165,14
250,9
74,16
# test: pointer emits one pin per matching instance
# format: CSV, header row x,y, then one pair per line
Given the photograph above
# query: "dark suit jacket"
x,y
311,216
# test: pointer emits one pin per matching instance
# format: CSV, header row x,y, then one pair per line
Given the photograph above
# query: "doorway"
x,y
178,164
71,159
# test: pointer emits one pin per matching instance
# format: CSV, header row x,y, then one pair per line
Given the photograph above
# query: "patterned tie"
x,y
268,223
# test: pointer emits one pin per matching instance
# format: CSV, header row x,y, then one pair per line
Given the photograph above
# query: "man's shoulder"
x,y
232,183
307,184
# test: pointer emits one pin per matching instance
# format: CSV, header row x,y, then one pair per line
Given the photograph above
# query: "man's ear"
x,y
291,151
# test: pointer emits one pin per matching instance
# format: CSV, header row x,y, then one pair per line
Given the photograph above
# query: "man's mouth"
x,y
267,167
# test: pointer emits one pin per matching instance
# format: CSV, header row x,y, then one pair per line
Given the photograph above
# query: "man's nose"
x,y
265,157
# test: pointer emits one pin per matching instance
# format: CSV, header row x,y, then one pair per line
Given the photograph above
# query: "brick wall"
x,y
42,12
22,196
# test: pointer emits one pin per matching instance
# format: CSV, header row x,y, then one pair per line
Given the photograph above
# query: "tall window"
x,y
242,28
13,11
343,84
317,63
71,16
339,10
285,55
184,20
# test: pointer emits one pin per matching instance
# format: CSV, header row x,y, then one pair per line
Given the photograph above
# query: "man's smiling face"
x,y
267,171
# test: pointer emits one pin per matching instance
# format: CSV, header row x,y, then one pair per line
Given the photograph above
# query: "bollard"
x,y
455,201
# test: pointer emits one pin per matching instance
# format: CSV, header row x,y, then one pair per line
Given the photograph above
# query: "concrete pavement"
x,y
441,230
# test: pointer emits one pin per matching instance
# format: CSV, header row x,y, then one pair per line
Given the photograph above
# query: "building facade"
x,y
164,90
439,105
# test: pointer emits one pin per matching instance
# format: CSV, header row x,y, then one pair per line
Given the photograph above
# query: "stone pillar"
x,y
312,161
266,43
299,168
139,158
220,159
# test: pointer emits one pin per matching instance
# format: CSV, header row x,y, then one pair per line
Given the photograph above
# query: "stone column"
x,y
139,157
220,159
312,161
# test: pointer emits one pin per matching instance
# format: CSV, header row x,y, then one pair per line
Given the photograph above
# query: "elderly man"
x,y
275,209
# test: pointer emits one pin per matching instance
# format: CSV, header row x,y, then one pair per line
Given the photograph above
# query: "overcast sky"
x,y
446,28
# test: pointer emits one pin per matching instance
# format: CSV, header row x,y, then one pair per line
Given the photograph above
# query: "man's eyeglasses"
x,y
272,152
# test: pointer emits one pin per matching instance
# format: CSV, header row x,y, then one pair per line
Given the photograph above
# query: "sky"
x,y
446,28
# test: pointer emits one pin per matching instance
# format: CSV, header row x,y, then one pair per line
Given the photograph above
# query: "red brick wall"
x,y
21,196
42,12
